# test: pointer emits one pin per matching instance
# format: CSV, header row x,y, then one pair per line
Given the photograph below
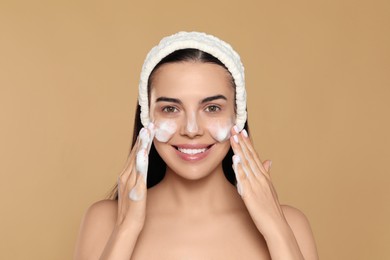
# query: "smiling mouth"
x,y
192,151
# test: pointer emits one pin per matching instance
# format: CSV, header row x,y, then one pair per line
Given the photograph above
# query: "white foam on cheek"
x,y
221,131
165,130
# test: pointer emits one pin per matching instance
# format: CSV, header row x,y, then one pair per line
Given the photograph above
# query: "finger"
x,y
267,165
132,153
249,146
128,176
142,163
249,165
123,176
138,192
243,183
152,132
244,134
139,163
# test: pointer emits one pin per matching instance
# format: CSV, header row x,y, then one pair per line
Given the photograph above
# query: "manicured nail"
x,y
236,129
150,126
245,133
270,164
235,138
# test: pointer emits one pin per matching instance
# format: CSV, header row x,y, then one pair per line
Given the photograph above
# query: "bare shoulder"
x,y
96,228
294,215
105,210
302,231
102,214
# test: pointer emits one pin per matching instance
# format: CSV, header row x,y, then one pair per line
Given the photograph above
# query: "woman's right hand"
x,y
132,183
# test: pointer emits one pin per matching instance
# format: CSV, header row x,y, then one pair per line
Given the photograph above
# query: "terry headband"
x,y
204,42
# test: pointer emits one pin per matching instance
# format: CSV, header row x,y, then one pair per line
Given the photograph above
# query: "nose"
x,y
192,127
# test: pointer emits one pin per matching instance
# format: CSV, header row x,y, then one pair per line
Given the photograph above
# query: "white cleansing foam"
x,y
165,130
220,131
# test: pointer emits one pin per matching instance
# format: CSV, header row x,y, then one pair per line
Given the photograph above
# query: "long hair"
x,y
157,166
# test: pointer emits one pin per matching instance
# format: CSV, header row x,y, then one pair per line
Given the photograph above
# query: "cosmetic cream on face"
x,y
220,130
192,125
165,130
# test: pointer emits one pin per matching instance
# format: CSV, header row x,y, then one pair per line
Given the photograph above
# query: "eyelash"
x,y
217,108
168,109
165,109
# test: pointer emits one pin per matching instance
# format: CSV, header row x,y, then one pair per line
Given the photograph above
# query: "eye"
x,y
212,109
170,109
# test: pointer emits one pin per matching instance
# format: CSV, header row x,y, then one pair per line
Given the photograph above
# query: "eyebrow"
x,y
208,99
167,99
178,101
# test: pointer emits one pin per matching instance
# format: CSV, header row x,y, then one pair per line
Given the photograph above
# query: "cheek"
x,y
165,130
220,130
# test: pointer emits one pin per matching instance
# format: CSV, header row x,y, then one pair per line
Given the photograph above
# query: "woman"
x,y
209,196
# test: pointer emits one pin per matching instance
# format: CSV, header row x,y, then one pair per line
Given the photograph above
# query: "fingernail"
x,y
235,138
245,133
151,126
270,164
236,129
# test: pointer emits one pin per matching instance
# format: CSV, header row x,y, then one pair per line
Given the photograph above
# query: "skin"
x,y
194,212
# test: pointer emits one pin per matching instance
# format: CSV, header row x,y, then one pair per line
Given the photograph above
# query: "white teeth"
x,y
192,151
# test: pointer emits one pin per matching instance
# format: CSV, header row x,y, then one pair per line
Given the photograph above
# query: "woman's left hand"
x,y
255,186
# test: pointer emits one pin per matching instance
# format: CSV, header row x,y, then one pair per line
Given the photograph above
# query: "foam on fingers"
x,y
137,193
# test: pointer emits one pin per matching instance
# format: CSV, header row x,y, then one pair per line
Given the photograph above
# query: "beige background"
x,y
318,82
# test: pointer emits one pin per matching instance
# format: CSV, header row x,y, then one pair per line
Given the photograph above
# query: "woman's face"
x,y
192,106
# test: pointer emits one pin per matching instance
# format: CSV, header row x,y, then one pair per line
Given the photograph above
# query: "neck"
x,y
211,194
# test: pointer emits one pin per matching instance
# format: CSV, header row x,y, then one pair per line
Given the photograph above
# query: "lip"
x,y
193,157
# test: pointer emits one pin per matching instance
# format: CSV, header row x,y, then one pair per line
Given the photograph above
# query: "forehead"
x,y
191,79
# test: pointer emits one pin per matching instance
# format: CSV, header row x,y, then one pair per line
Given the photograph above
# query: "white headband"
x,y
204,42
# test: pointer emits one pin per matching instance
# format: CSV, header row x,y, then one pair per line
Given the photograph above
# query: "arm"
x,y
302,231
110,229
292,238
98,232
285,229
